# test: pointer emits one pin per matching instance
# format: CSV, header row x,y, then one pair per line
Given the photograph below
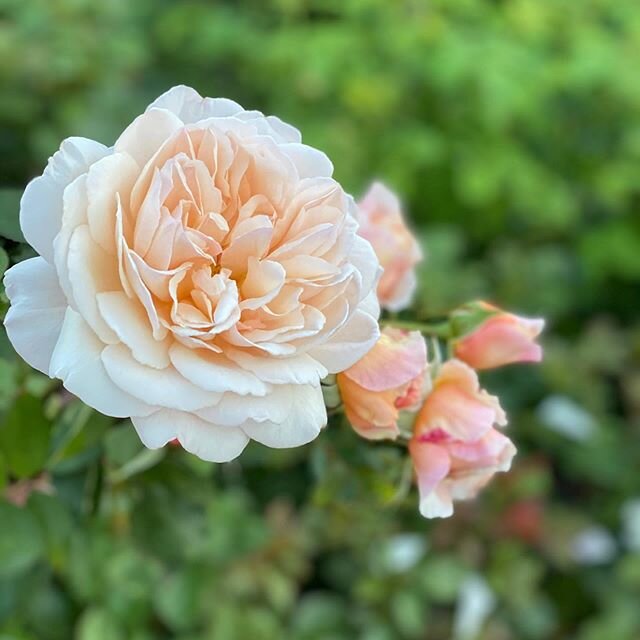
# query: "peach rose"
x,y
503,338
383,225
457,406
201,276
449,469
455,448
388,379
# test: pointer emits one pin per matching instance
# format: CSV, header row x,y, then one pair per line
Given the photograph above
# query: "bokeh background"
x,y
511,129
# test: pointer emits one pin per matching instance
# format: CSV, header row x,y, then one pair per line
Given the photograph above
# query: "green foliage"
x,y
512,130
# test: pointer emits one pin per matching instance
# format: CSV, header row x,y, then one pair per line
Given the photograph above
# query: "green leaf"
x,y
4,261
24,437
21,542
98,624
10,214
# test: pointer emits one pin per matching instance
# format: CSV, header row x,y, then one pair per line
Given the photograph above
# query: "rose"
x,y
383,225
388,379
455,448
201,277
449,469
501,338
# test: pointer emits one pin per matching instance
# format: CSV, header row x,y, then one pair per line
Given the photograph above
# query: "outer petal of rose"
x,y
213,372
191,107
303,424
147,133
38,305
403,292
234,410
41,204
364,259
297,369
76,361
372,414
128,320
164,388
309,162
205,440
349,344
396,359
432,465
501,340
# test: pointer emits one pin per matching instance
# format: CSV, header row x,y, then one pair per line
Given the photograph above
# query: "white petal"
x,y
211,443
310,162
234,410
108,177
38,305
213,372
76,360
349,344
164,388
41,204
146,134
298,369
303,424
90,271
191,107
364,259
284,131
437,503
130,322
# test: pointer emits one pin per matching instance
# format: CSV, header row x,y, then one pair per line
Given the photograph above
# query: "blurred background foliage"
x,y
511,128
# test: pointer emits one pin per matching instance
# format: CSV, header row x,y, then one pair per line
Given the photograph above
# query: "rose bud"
x,y
382,224
387,380
500,338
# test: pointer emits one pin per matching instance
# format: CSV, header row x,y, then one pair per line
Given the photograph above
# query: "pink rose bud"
x,y
501,338
455,448
387,380
448,469
382,224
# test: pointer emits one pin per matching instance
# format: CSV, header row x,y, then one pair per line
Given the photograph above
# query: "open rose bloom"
x,y
201,276
455,448
383,224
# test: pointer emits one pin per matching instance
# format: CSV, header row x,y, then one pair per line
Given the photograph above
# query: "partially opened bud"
x,y
500,338
448,469
455,448
457,406
387,380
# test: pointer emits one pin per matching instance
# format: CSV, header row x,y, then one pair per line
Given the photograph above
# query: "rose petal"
x,y
38,305
164,388
303,424
76,361
41,204
211,443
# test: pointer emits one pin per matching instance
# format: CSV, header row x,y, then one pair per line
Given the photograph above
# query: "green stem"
x,y
438,329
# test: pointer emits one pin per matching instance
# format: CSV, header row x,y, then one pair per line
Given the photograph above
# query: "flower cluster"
x,y
204,274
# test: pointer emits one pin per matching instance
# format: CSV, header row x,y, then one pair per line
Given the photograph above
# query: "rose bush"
x,y
201,277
